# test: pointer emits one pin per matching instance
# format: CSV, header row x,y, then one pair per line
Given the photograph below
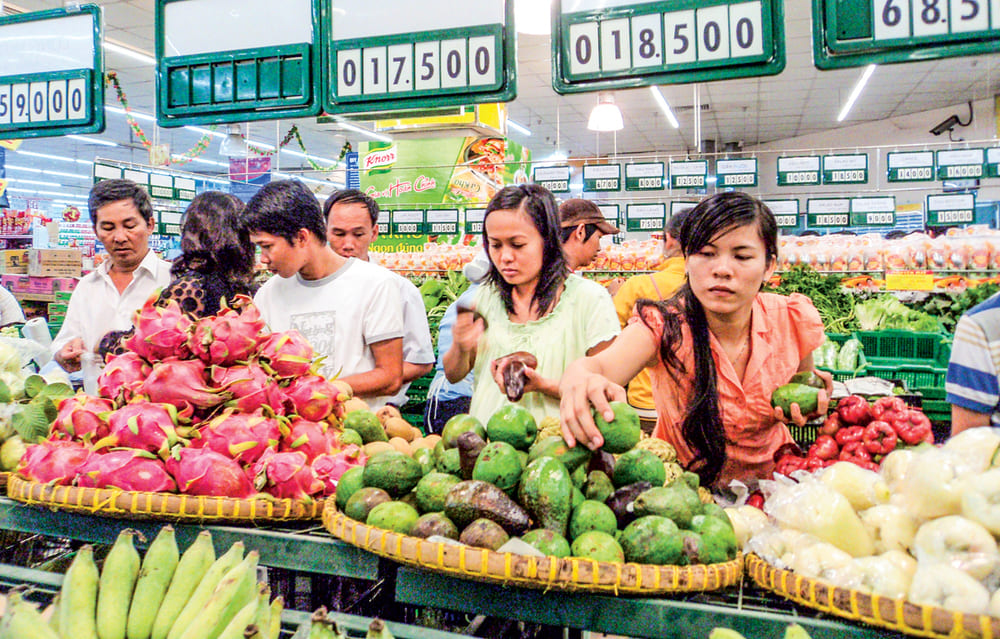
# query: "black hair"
x,y
212,240
588,229
702,428
351,196
282,208
673,228
109,191
540,206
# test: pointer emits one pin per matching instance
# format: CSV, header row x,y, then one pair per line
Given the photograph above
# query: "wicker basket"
x,y
4,476
894,614
571,574
111,502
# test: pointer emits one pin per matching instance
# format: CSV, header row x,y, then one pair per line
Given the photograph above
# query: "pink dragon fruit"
x,y
331,466
202,471
128,470
143,426
181,382
286,475
54,460
228,337
82,417
250,386
160,331
122,374
288,354
307,437
312,396
240,436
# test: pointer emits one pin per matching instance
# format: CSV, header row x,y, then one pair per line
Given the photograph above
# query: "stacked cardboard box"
x,y
55,262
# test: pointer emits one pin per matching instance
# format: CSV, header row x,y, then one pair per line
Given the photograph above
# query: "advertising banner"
x,y
247,175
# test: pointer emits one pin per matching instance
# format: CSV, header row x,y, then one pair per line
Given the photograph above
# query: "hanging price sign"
x,y
828,212
910,166
442,222
474,221
961,165
736,173
602,177
554,178
993,162
845,169
786,212
873,211
645,217
644,177
383,222
798,171
688,175
943,210
408,222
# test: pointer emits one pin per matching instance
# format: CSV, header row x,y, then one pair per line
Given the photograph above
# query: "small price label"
x,y
910,166
442,222
644,177
645,217
732,173
554,178
961,164
474,221
605,177
799,171
685,175
951,209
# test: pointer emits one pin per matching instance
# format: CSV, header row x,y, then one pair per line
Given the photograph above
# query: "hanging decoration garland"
x,y
285,141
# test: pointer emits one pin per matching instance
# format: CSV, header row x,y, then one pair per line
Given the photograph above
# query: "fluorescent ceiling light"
x,y
55,193
200,130
38,182
520,128
606,115
138,115
87,140
363,131
46,156
856,93
664,106
129,52
200,161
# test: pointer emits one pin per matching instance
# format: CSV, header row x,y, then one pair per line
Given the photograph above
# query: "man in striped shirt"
x,y
973,387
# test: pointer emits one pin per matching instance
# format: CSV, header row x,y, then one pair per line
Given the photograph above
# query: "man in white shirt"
x,y
347,309
351,226
106,298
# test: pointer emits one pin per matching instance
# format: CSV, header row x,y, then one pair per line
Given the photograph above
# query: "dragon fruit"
x,y
160,331
143,426
181,382
286,475
240,436
128,470
82,417
288,354
307,437
329,467
202,471
54,460
250,386
312,396
228,337
122,374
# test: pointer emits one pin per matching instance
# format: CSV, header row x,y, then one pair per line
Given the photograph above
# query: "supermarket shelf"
x,y
303,548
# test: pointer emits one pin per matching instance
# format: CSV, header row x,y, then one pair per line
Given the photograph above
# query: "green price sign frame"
x,y
828,212
441,221
635,44
602,178
802,170
264,73
612,213
909,166
408,222
873,211
645,176
554,178
951,209
474,220
410,61
645,217
993,162
689,174
852,33
786,213
736,173
43,97
845,169
961,164
383,222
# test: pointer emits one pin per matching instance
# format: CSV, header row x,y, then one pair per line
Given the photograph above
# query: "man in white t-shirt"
x,y
347,309
106,298
351,226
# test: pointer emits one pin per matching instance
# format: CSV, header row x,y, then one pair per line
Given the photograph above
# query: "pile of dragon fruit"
x,y
217,406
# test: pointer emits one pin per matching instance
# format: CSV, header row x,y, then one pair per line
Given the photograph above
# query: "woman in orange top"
x,y
717,349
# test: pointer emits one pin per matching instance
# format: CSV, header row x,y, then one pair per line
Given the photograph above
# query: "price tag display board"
x,y
408,222
786,212
618,44
873,211
442,222
644,177
845,169
611,213
676,206
391,54
910,166
383,222
554,178
602,177
799,171
945,210
823,211
993,162
736,173
645,217
688,175
60,92
223,61
474,221
851,33
962,164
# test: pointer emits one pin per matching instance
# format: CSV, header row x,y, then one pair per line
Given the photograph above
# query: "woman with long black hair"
x,y
717,350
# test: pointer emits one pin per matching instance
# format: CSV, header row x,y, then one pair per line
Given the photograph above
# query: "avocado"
x,y
598,486
394,472
350,436
424,457
362,502
484,533
432,491
653,540
603,461
500,465
592,515
547,542
469,445
512,424
718,537
430,524
546,491
666,501
691,479
621,501
713,509
473,499
809,378
347,485
578,499
597,545
623,432
393,515
458,425
578,477
639,464
807,397
366,424
554,446
449,460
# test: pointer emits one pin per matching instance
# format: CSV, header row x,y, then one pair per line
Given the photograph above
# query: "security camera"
x,y
947,125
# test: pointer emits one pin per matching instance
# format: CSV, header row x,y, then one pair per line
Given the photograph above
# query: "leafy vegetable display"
x,y
948,307
886,311
835,305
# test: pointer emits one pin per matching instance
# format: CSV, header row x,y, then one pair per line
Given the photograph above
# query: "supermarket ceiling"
x,y
799,101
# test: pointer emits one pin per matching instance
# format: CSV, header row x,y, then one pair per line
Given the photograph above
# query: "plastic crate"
x,y
840,375
905,347
918,377
804,435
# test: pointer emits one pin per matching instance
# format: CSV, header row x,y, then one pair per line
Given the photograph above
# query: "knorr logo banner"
x,y
380,157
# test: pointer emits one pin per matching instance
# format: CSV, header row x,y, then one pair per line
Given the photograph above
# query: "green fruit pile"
x,y
482,485
162,596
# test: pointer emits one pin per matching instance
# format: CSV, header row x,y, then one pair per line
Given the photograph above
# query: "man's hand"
x,y
68,356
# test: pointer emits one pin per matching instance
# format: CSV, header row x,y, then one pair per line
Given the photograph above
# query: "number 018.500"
x,y
42,102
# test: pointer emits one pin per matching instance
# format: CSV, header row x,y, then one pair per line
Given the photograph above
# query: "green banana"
x,y
191,568
242,620
211,617
203,592
158,568
117,581
23,621
724,633
54,614
276,607
78,598
263,618
795,631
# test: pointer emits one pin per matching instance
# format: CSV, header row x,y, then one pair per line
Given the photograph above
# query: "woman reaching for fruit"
x,y
531,317
717,350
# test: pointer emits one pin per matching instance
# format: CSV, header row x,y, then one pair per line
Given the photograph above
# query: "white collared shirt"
x,y
97,307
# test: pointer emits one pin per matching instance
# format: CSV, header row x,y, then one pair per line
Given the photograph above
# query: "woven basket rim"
x,y
113,502
570,574
900,615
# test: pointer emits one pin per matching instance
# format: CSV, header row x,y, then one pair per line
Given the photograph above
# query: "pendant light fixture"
x,y
606,116
234,145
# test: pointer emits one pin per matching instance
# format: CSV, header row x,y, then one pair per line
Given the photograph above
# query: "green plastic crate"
x,y
918,377
840,375
905,347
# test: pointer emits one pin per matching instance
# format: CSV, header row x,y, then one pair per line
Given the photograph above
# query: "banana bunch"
x,y
322,627
793,631
164,596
